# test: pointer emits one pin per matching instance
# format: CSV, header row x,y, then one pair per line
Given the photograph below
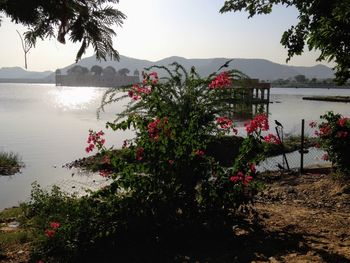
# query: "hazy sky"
x,y
155,29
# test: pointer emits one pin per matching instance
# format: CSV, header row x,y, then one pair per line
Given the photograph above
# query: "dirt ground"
x,y
303,218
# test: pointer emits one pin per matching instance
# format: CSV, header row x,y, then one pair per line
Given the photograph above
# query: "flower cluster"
x,y
50,232
156,126
221,81
343,122
260,122
95,140
136,91
245,179
151,78
271,138
324,130
224,122
334,138
199,152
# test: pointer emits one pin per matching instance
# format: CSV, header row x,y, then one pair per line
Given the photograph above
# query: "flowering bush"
x,y
334,137
167,183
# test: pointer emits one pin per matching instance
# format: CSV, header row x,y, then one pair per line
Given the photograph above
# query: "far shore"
x,y
329,98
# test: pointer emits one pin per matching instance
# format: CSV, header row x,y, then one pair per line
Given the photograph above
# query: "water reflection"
x,y
76,98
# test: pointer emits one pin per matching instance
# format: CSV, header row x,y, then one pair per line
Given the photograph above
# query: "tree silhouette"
x,y
109,71
26,46
97,70
89,22
123,71
323,25
77,70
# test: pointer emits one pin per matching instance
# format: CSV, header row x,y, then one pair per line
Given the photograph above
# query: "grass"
x,y
10,163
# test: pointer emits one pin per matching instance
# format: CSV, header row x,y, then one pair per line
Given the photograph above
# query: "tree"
x,y
323,25
109,71
77,70
86,21
123,71
26,47
300,78
97,70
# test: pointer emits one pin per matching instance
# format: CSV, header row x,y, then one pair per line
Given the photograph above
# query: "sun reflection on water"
x,y
74,98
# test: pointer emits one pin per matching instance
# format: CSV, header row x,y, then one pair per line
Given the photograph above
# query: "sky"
x,y
156,29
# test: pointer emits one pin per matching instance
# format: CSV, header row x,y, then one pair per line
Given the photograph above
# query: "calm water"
x,y
48,127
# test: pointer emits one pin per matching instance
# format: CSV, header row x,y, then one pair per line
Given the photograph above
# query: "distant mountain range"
x,y
254,68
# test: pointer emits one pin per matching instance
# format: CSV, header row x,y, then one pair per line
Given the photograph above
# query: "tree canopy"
x,y
86,21
323,25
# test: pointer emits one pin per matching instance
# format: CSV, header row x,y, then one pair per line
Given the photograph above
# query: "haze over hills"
x,y
254,68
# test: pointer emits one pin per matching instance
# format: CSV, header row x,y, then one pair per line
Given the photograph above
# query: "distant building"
x,y
96,77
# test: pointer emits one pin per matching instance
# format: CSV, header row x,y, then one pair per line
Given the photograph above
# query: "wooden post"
x,y
302,147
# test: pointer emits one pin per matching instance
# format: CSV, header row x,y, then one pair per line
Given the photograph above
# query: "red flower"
x,y
342,134
224,122
271,138
106,159
325,157
260,121
252,168
221,81
104,173
40,261
325,130
342,122
49,232
139,153
199,152
171,162
54,225
240,177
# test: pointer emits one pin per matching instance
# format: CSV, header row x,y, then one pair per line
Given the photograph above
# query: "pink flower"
x,y
325,157
40,261
246,180
139,153
49,233
325,130
224,122
342,122
240,177
234,179
106,159
313,124
252,167
342,134
54,225
90,148
221,81
271,138
171,162
95,139
104,173
260,122
199,152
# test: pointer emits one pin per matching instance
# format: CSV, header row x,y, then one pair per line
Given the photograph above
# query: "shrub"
x,y
168,186
334,137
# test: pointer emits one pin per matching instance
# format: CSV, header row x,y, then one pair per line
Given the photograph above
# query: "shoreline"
x,y
329,98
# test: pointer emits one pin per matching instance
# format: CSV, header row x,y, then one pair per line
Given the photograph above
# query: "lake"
x,y
48,127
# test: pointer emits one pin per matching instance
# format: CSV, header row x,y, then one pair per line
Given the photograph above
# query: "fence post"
x,y
302,147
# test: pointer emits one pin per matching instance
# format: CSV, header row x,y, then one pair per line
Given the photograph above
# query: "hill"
x,y
254,68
